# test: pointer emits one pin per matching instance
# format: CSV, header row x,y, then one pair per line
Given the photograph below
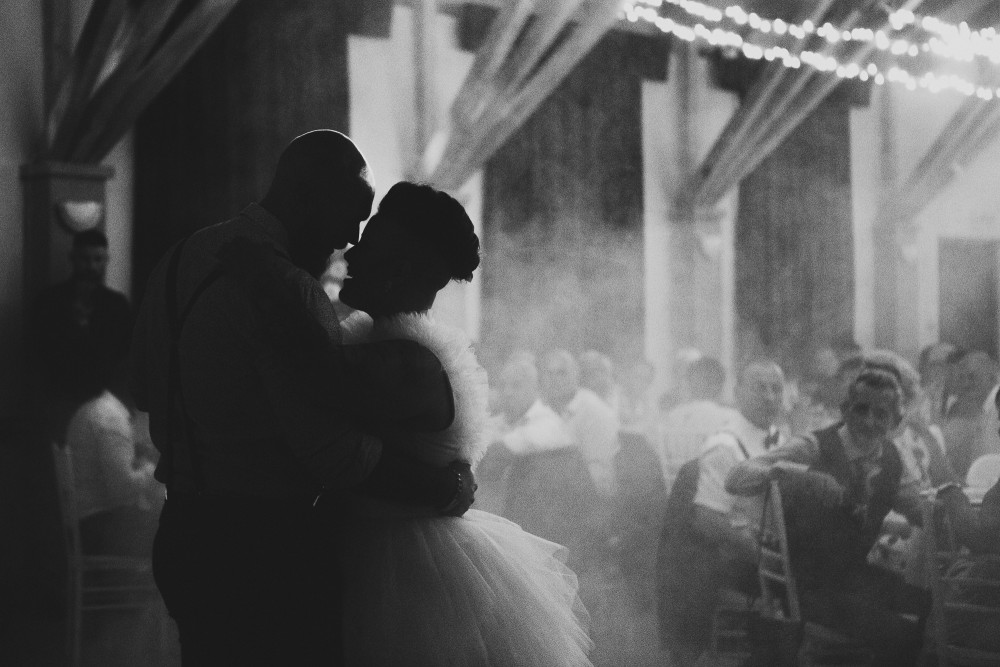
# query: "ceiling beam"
x,y
816,87
759,114
511,77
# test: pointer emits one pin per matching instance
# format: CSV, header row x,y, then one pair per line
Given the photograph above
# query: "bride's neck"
x,y
385,320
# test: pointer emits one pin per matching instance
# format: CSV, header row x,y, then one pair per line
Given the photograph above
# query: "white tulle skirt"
x,y
473,591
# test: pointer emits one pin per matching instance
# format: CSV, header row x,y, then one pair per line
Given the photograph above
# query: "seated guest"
x,y
597,373
839,483
548,489
592,423
978,530
920,442
934,367
921,450
814,399
115,490
636,410
968,425
683,430
707,541
729,520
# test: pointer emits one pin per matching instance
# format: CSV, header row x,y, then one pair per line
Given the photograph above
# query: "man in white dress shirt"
x,y
529,425
708,542
728,520
115,490
548,489
592,423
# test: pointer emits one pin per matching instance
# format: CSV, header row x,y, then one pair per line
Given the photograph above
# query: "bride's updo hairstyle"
x,y
440,226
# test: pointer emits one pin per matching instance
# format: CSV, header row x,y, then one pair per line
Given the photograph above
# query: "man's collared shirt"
x,y
720,454
539,429
593,425
684,430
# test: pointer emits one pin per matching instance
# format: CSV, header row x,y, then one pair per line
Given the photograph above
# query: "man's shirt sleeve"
x,y
750,477
718,457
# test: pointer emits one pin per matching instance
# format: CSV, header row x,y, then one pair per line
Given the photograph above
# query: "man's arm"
x,y
751,477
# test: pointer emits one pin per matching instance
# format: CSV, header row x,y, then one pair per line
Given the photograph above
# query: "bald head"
x,y
321,191
760,392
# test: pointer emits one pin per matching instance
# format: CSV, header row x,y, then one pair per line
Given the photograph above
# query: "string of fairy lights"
x,y
775,39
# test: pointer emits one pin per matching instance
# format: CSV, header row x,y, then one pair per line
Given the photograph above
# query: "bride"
x,y
422,589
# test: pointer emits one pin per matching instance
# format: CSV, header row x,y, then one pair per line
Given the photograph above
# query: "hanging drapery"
x,y
127,52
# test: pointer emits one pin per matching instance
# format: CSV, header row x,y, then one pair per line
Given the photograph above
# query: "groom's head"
x,y
322,190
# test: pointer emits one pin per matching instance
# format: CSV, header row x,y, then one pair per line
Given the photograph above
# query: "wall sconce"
x,y
908,241
708,230
910,252
79,216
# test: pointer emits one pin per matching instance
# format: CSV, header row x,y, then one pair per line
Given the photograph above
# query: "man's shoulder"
x,y
587,399
539,410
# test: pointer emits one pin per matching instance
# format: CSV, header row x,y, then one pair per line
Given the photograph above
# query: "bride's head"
x,y
418,241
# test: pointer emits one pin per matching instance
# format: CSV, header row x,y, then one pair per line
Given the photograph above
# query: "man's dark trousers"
x,y
250,581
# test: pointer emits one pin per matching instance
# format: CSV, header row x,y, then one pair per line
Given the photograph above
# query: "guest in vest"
x,y
838,484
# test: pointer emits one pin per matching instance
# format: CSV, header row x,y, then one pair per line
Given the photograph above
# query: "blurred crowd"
x,y
659,496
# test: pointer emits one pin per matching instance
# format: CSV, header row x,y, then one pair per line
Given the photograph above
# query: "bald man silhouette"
x,y
254,454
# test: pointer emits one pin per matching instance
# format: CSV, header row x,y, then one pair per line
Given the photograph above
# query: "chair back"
x,y
965,594
774,569
984,472
66,492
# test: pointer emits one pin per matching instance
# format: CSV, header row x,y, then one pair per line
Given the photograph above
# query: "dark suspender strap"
x,y
739,442
182,446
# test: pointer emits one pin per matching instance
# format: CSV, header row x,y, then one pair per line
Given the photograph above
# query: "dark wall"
x,y
794,246
207,145
563,213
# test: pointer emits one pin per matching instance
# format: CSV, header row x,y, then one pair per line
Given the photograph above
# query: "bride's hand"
x,y
465,489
